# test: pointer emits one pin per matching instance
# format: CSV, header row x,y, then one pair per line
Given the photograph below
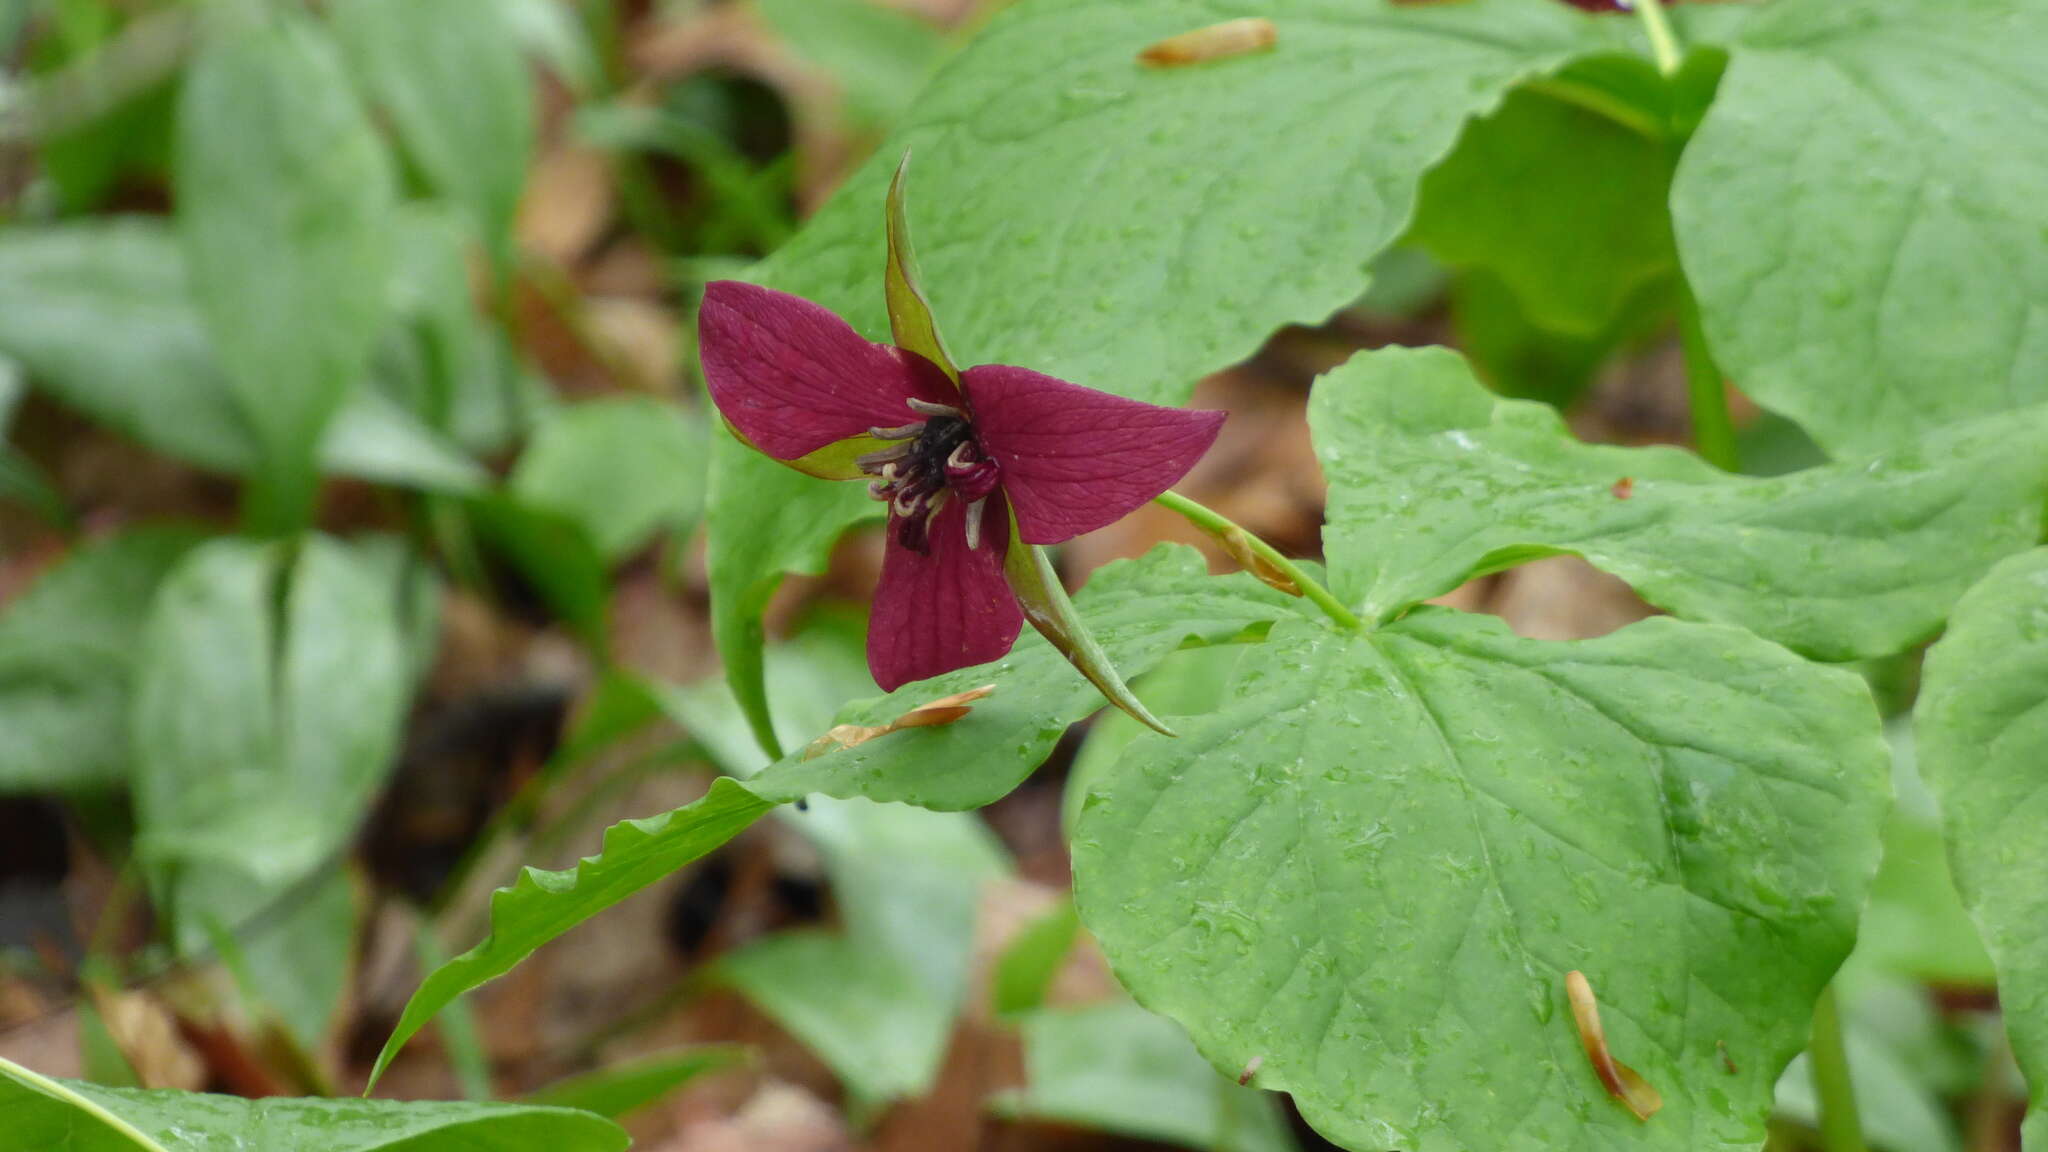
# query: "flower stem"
x,y
1657,25
1217,524
1840,1128
1713,429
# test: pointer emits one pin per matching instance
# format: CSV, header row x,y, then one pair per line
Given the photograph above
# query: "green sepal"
x,y
1045,603
910,314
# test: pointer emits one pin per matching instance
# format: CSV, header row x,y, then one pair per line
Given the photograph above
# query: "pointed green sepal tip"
x,y
1046,606
910,315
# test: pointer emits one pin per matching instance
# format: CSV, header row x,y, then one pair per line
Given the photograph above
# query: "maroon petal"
x,y
947,608
791,377
1075,459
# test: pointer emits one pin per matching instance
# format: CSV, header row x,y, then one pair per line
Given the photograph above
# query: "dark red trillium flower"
x,y
956,465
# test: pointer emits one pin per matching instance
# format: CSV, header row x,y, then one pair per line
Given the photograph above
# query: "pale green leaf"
x,y
269,698
1141,610
452,74
1433,480
67,662
1130,228
625,467
64,289
555,554
1860,214
67,1116
284,203
1982,729
1122,1069
1371,869
623,1087
543,905
1916,925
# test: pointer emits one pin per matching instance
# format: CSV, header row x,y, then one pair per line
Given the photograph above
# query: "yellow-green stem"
x,y
1840,1128
1210,520
1657,25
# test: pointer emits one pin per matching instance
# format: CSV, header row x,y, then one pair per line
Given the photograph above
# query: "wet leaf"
x,y
1374,863
1863,234
70,1116
1434,480
1982,730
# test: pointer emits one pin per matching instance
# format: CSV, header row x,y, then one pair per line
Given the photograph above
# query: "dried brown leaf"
x,y
1215,42
944,710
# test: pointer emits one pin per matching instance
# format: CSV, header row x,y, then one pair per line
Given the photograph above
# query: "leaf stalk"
x,y
1841,1130
1663,42
1217,524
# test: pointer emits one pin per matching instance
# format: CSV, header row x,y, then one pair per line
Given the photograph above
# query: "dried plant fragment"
x,y
1251,1069
1216,42
944,710
1621,1081
1238,546
1624,488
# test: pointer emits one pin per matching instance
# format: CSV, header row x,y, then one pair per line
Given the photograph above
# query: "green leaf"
x,y
69,1116
67,662
1898,1048
555,554
1025,971
1140,609
1564,206
1916,925
1433,481
876,54
453,76
864,1014
1864,235
297,961
1130,228
1982,729
622,1088
63,289
543,905
1372,868
911,323
762,520
625,467
1119,1068
284,202
441,359
269,698
907,883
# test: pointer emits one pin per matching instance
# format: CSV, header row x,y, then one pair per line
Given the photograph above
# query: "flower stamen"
x,y
927,408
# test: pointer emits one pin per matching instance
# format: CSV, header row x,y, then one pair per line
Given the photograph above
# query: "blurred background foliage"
x,y
354,457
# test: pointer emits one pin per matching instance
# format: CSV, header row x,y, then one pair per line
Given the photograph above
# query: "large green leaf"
x,y
1982,730
625,467
1862,222
1131,228
67,662
68,1116
268,703
453,76
1372,868
1122,1069
1434,480
543,905
1141,610
284,201
63,289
